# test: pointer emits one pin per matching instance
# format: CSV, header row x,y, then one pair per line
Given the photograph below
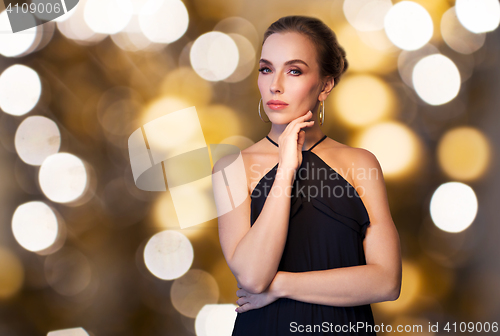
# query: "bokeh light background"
x,y
83,251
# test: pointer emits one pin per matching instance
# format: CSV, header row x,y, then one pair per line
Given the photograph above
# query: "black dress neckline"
x,y
308,150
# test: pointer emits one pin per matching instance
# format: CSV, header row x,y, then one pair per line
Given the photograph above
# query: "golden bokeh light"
x,y
219,122
164,21
436,79
107,16
12,44
76,28
214,56
131,38
37,137
478,16
464,153
226,280
168,254
63,177
240,26
453,206
379,62
436,9
457,36
194,202
35,226
366,15
11,274
160,107
378,101
216,320
396,147
246,59
377,39
408,58
192,291
20,89
184,83
408,25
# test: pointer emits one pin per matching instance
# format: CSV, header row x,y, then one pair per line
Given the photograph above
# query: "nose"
x,y
276,85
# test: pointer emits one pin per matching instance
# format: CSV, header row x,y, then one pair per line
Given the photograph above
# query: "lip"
x,y
276,102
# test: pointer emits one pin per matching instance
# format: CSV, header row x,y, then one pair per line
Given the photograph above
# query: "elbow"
x,y
252,285
394,294
394,291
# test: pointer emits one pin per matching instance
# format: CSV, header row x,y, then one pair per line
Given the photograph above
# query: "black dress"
x,y
328,221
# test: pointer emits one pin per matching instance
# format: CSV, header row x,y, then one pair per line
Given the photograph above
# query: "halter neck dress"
x,y
327,225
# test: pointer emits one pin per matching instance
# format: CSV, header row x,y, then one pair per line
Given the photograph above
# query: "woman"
x,y
309,252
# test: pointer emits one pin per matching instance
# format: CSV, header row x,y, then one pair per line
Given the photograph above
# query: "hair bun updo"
x,y
331,56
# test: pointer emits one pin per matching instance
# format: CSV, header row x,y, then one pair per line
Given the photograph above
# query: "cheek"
x,y
301,90
261,83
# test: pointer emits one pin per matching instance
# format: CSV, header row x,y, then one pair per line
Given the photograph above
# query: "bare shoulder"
x,y
257,159
257,148
247,154
363,158
355,155
366,166
351,162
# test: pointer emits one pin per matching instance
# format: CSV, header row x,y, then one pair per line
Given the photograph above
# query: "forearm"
x,y
346,286
257,256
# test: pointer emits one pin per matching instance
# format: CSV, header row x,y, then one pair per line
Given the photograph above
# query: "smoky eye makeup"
x,y
295,71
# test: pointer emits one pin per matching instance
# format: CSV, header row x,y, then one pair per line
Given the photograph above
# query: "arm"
x,y
378,280
253,252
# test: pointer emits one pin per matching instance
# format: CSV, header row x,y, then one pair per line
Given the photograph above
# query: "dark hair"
x,y
331,56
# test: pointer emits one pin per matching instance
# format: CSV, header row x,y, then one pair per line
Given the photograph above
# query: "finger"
x,y
241,301
302,138
292,123
304,124
241,292
296,129
303,117
243,308
291,127
238,284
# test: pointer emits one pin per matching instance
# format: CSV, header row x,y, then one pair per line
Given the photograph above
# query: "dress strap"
x,y
317,143
272,141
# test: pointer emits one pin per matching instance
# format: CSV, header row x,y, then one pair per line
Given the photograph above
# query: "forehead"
x,y
281,47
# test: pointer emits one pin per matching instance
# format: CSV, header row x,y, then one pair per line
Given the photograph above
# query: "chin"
x,y
281,120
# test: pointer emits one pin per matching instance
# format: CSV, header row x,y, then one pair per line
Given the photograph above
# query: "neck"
x,y
313,134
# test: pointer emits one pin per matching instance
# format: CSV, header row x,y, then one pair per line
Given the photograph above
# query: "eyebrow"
x,y
286,63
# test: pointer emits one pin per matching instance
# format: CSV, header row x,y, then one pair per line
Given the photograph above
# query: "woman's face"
x,y
289,72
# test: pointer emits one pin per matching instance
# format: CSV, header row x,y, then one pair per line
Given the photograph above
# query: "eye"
x,y
266,68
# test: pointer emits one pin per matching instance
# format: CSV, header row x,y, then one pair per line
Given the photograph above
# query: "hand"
x,y
291,142
248,301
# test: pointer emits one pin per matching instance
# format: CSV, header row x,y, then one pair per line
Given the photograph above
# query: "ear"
x,y
328,85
